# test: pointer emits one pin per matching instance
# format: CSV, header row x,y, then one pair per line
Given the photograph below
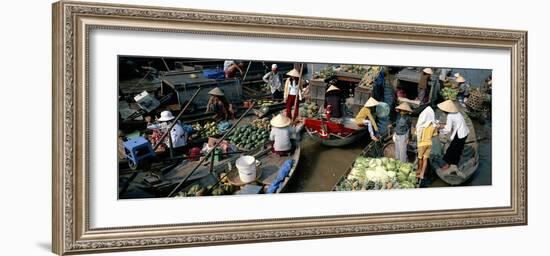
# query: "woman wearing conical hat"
x,y
458,130
292,93
219,104
280,135
334,102
365,118
402,130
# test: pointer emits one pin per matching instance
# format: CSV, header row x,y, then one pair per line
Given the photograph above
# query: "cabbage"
x,y
390,166
384,160
406,168
391,174
412,177
401,177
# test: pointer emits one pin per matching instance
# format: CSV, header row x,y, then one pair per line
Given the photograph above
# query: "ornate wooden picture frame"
x,y
72,23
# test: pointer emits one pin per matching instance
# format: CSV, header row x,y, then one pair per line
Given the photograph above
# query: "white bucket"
x,y
247,168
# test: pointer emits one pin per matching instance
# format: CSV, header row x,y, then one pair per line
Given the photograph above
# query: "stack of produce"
x,y
449,93
355,69
326,72
249,137
265,102
379,173
369,76
224,188
209,129
309,109
262,124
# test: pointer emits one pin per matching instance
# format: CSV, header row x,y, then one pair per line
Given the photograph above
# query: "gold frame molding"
x,y
72,22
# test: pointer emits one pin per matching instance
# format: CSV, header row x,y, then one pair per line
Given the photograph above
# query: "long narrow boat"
x,y
469,160
334,134
268,168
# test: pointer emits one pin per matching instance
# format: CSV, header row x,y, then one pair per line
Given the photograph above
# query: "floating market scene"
x,y
213,127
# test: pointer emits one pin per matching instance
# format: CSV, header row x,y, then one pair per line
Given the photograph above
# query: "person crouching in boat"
x,y
402,130
365,118
333,103
426,129
457,127
292,93
178,136
219,104
280,135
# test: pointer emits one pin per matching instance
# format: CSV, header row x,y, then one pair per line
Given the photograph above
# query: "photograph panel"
x,y
211,127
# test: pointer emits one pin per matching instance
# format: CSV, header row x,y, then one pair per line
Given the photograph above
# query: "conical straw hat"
x,y
280,121
216,91
428,71
404,106
460,79
448,106
293,73
371,102
333,88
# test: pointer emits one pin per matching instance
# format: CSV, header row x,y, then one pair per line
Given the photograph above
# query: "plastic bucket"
x,y
247,168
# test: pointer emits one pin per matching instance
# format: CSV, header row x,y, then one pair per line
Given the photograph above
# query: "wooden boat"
x,y
469,161
334,134
268,166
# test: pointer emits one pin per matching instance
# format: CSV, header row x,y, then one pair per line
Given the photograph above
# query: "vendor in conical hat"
x,y
458,130
292,93
463,89
280,135
334,102
423,83
365,118
402,130
219,104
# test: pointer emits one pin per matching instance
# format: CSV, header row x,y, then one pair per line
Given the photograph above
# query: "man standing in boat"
x,y
274,80
457,127
423,84
365,118
292,93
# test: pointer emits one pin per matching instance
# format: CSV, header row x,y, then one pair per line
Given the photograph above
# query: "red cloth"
x,y
289,104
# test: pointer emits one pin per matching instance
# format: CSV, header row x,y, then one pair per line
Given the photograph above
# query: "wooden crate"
x,y
317,88
361,95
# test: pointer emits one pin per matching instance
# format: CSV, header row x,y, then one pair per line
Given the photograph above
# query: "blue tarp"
x,y
283,173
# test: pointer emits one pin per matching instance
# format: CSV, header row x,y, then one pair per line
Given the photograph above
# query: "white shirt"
x,y
281,138
179,136
456,125
227,64
293,88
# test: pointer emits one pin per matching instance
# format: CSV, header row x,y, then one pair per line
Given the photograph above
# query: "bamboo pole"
x,y
211,151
